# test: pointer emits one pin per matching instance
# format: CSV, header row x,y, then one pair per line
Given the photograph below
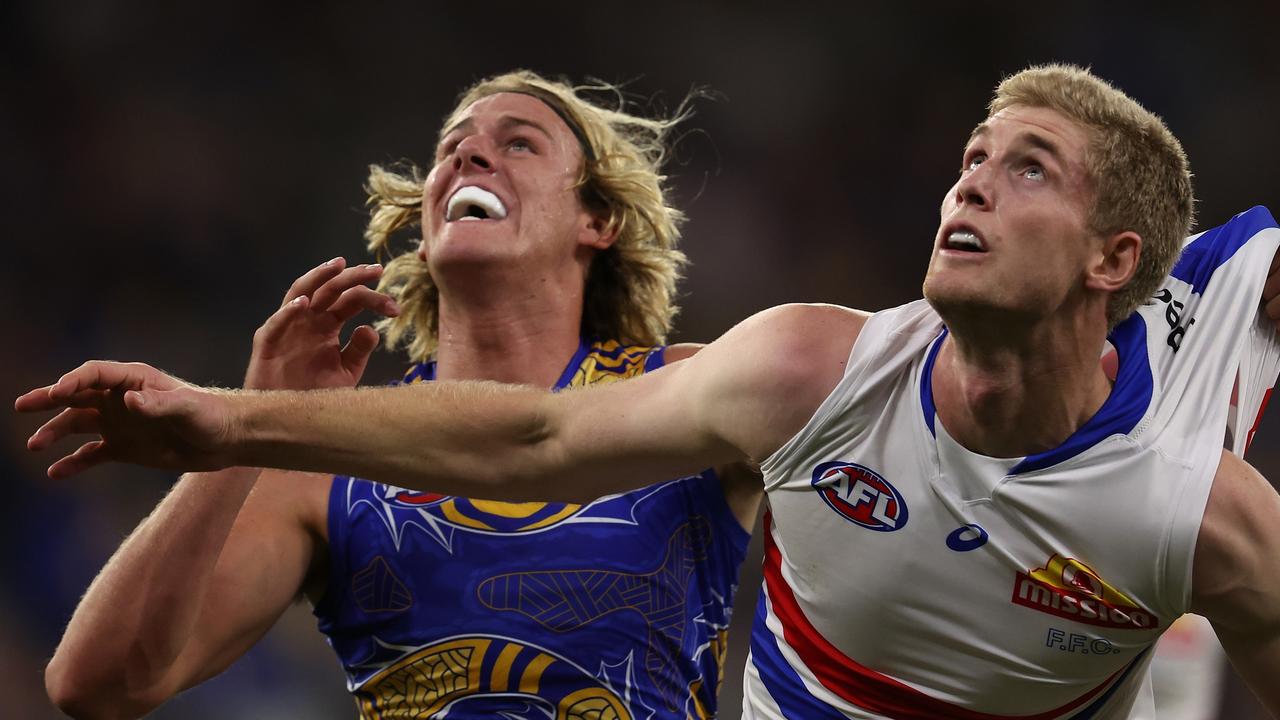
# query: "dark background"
x,y
169,170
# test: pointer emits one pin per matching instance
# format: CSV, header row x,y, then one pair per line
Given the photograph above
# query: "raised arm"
x,y
201,579
1236,575
739,398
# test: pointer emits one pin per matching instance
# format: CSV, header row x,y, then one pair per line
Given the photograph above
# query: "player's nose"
x,y
473,152
975,188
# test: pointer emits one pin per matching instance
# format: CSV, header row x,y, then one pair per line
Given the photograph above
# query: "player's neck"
x,y
1022,393
514,333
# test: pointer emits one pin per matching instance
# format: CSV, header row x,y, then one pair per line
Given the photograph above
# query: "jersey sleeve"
x,y
1207,337
1213,356
1255,379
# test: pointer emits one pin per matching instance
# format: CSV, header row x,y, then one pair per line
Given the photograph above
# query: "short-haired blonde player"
x,y
968,518
548,258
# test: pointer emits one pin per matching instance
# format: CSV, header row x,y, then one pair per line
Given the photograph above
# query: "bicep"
x,y
276,544
736,400
632,433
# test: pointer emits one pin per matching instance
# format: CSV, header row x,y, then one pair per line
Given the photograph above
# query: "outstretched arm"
x,y
1236,575
739,398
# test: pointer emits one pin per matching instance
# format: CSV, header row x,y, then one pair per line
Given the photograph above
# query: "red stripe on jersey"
x,y
1258,420
859,684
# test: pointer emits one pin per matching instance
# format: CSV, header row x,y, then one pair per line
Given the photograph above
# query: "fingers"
x,y
159,403
1271,287
1271,292
78,387
1273,311
355,356
104,375
90,454
341,293
358,298
313,279
330,291
72,421
272,331
36,400
39,399
95,374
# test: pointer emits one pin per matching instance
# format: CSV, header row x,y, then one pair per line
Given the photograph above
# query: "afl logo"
x,y
411,499
860,496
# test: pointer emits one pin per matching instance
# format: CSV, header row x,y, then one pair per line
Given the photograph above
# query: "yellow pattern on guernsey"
x,y
424,683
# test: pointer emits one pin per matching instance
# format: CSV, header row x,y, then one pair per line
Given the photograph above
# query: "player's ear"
x,y
598,229
1115,263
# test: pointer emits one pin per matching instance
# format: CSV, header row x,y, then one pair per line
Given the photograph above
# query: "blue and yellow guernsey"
x,y
614,610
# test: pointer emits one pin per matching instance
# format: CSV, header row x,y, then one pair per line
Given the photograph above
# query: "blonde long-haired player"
x,y
548,257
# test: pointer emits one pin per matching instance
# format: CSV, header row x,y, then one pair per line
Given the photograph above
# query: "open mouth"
x,y
474,203
964,241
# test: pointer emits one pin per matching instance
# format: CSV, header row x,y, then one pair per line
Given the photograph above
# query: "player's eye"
x,y
446,149
973,162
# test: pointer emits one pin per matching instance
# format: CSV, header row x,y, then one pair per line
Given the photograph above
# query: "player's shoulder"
x,y
794,326
807,328
822,315
813,338
798,351
681,351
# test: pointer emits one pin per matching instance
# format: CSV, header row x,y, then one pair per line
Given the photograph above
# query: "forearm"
x,y
141,610
474,439
1256,657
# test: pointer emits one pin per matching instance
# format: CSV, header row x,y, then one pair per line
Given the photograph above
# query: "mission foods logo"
x,y
1070,589
860,495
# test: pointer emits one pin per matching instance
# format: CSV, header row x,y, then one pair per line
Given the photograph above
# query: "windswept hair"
x,y
630,292
1139,172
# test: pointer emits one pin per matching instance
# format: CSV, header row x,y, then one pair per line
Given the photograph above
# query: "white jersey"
x,y
909,578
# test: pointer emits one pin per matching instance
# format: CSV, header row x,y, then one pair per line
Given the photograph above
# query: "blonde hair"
x,y
1138,170
631,286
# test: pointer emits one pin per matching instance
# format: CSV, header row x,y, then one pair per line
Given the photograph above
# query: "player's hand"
x,y
139,414
299,346
1271,292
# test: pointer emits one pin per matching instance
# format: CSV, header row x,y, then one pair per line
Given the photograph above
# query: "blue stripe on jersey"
x,y
1214,247
926,383
1096,705
779,678
1123,409
656,359
567,376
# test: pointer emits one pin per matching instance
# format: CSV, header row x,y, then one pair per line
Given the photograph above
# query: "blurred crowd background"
x,y
170,168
